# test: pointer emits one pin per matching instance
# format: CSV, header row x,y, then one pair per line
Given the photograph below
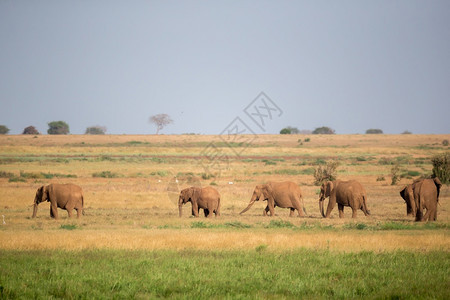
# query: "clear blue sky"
x,y
349,65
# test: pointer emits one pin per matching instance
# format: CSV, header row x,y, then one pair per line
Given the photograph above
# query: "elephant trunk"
x,y
180,207
321,200
249,205
35,207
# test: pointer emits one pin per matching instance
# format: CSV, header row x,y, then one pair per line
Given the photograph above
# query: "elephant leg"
x,y
208,214
354,212
427,215
271,206
299,208
217,212
292,212
195,209
341,210
69,212
79,212
266,210
330,207
53,210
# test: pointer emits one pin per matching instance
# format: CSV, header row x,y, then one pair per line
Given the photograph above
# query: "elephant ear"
x,y
266,191
438,184
403,193
330,187
45,196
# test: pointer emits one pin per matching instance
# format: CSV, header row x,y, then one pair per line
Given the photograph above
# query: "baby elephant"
x,y
206,198
66,196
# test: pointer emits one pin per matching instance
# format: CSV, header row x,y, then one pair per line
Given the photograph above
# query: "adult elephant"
x,y
344,193
422,194
207,198
66,196
282,194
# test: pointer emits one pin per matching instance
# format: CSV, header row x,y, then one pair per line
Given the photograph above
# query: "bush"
x,y
325,173
441,167
285,131
58,127
4,129
406,132
30,130
96,130
395,170
323,130
106,174
445,143
374,131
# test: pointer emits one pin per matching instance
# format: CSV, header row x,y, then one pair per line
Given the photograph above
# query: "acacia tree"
x,y
58,127
4,129
323,130
96,130
160,121
30,130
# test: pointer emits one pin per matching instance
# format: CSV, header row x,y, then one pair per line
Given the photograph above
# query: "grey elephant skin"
x,y
344,193
207,198
285,194
65,196
422,194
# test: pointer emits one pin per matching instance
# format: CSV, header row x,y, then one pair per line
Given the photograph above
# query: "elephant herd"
x,y
421,194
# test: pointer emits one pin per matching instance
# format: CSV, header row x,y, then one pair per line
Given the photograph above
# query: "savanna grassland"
x,y
131,243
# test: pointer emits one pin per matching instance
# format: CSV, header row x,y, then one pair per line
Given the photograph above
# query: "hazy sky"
x,y
349,65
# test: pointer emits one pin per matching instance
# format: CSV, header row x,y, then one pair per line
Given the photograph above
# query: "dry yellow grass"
x,y
138,239
128,212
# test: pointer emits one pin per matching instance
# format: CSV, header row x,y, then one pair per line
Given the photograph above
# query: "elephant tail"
x,y
82,205
419,209
365,209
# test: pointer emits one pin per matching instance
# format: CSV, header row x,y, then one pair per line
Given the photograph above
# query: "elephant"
x,y
282,194
345,193
66,196
207,198
422,193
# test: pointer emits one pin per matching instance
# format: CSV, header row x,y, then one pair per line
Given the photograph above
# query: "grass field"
x,y
131,230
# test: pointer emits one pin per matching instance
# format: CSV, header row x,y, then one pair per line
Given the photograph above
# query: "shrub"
x,y
58,127
285,131
325,173
395,170
441,167
374,131
4,174
406,132
105,174
96,130
4,129
30,130
323,130
207,176
445,143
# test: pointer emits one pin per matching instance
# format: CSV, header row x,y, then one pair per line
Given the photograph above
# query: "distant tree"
x,y
305,131
4,129
96,130
374,131
160,121
323,130
406,132
285,131
58,127
30,130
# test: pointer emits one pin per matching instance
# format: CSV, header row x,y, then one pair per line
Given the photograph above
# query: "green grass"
x,y
192,274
